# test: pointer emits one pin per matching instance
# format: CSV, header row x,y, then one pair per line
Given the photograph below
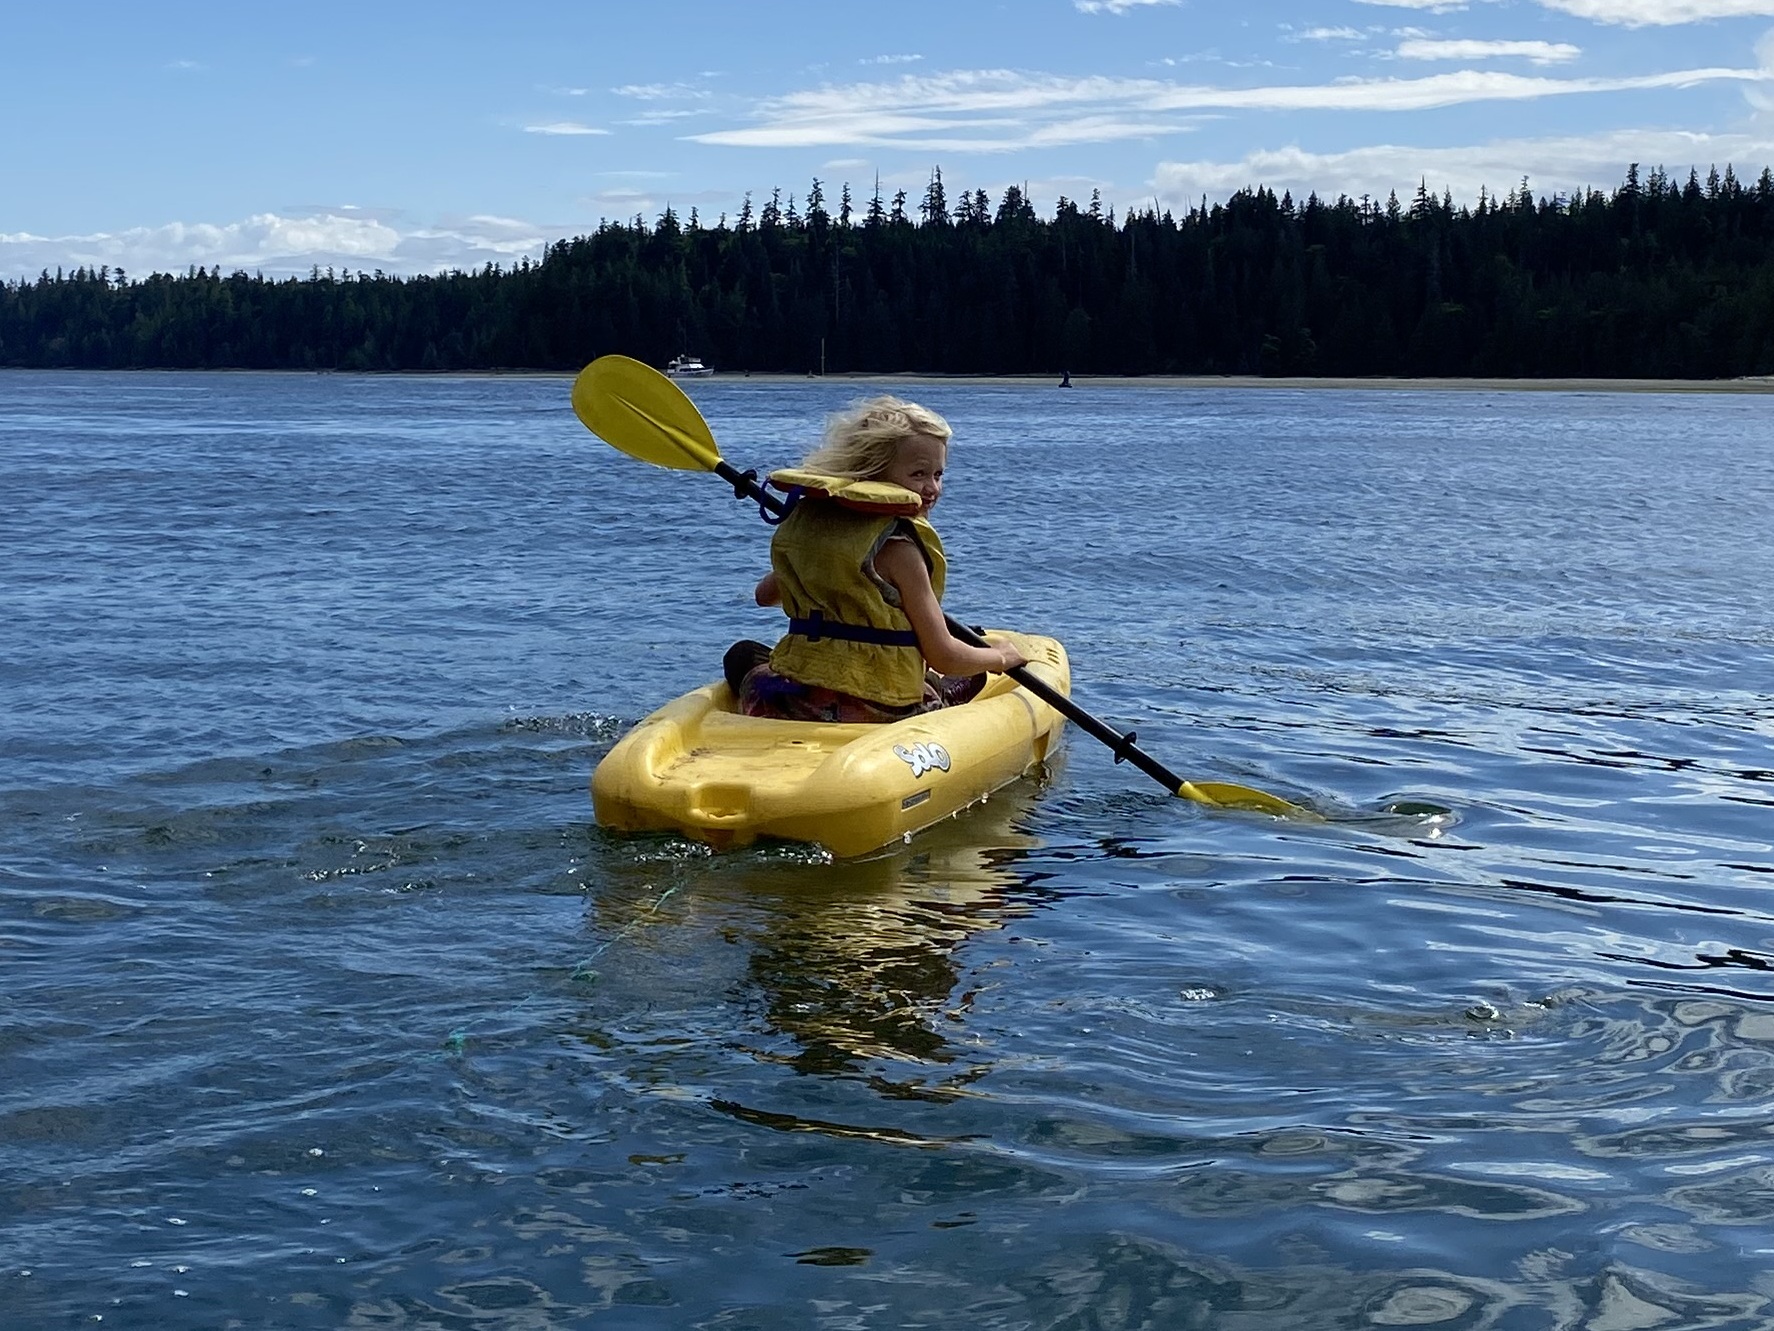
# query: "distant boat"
x,y
687,367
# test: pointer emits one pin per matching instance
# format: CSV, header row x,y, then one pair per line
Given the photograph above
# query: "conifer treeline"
x,y
1658,279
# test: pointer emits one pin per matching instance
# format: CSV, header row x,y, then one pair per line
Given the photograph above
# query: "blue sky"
x,y
413,138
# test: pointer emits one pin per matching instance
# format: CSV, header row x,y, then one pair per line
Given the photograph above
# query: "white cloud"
x,y
567,127
1116,6
1000,110
657,92
1759,97
624,200
663,116
281,246
1540,53
1658,13
1432,6
491,225
1332,35
1624,13
1098,129
1552,166
648,201
891,60
1436,90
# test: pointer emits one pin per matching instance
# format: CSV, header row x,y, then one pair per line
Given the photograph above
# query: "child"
x,y
859,571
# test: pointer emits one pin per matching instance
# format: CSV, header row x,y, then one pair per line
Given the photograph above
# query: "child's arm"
x,y
767,592
901,563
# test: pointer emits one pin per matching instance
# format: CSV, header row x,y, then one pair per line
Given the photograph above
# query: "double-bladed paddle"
x,y
636,409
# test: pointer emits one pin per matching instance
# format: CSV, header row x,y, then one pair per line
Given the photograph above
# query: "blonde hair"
x,y
860,443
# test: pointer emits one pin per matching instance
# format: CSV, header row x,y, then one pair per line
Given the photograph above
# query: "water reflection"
x,y
854,963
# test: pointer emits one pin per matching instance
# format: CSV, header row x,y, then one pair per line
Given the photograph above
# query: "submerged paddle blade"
x,y
1226,795
635,408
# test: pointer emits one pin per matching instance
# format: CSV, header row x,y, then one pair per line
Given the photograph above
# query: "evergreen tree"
x,y
1662,277
935,207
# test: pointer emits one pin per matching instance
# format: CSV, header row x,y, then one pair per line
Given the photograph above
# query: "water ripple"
x,y
326,1004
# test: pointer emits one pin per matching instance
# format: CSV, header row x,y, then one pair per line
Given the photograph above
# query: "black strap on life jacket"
x,y
817,626
774,515
772,510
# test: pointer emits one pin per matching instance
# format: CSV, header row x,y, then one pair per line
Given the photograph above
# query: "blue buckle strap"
x,y
794,495
817,626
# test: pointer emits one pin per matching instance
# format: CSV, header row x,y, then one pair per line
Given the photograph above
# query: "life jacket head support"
x,y
879,497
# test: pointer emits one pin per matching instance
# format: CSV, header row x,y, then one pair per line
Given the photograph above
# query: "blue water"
x,y
324,1003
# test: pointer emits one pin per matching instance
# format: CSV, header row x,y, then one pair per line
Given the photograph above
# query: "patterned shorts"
x,y
766,693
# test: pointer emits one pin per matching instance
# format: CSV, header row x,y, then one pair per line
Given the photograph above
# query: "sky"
x,y
414,138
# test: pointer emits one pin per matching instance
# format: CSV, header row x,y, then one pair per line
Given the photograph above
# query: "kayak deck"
x,y
698,768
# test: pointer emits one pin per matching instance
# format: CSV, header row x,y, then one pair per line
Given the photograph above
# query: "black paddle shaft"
x,y
745,486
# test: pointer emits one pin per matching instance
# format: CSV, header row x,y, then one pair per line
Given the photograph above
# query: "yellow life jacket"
x,y
845,632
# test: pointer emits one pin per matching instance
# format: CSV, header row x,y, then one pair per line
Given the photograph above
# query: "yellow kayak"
x,y
698,768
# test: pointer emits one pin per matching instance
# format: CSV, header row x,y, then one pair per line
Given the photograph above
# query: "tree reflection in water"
x,y
852,962
856,960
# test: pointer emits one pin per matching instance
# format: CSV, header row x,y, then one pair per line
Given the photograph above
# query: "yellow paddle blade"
x,y
635,408
1226,795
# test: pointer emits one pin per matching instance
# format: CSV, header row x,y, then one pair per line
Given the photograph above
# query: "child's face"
x,y
918,466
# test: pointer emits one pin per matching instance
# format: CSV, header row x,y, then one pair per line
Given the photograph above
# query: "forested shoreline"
x,y
1662,278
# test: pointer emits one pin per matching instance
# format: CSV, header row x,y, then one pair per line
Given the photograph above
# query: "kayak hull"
x,y
698,768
